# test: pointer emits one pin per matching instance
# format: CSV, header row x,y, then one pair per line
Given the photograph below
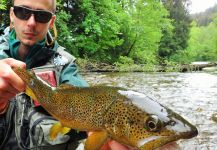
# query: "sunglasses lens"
x,y
22,13
39,15
42,16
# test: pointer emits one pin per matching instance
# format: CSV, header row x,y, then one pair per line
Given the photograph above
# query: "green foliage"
x,y
5,6
203,42
126,64
65,37
125,60
178,39
148,18
104,30
171,66
2,4
181,57
98,33
204,18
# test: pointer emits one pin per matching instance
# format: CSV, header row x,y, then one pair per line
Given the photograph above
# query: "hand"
x,y
113,145
10,82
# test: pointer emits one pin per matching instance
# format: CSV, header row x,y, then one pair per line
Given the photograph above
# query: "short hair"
x,y
53,5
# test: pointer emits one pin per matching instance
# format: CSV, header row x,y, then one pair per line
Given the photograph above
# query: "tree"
x,y
2,4
206,17
104,30
95,28
203,42
144,30
178,39
4,14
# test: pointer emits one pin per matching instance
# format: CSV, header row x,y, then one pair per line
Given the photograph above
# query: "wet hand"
x,y
113,145
10,82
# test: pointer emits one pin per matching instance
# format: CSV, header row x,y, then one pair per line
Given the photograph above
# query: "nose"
x,y
31,21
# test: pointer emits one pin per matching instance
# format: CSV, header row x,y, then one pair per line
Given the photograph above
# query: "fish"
x,y
126,116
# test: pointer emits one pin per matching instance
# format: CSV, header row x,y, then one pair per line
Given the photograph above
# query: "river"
x,y
193,95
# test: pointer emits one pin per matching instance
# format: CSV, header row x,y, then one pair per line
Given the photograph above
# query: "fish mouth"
x,y
182,135
189,135
156,142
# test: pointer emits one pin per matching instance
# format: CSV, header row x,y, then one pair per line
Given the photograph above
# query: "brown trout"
x,y
128,117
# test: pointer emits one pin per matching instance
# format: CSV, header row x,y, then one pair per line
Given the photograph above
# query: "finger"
x,y
117,146
8,76
3,105
5,86
6,95
105,147
13,90
14,63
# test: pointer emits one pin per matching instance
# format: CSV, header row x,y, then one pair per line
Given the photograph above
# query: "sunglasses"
x,y
24,13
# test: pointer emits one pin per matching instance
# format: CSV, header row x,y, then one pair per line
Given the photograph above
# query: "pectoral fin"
x,y
58,128
96,140
30,93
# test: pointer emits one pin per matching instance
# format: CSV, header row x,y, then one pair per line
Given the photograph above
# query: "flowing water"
x,y
193,95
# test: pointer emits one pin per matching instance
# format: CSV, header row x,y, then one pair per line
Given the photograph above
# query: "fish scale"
x,y
126,116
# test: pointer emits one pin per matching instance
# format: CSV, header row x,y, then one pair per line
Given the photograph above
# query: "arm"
x,y
10,83
71,76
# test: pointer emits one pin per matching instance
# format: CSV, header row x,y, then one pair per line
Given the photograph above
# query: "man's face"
x,y
31,31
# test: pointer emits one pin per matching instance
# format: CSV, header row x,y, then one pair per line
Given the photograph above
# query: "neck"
x,y
23,51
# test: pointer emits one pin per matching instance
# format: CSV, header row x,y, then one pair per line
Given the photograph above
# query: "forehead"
x,y
35,4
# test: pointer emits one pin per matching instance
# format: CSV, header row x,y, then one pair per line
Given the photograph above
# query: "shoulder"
x,y
62,51
5,36
4,39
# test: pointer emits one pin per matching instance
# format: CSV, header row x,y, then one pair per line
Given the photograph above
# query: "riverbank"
x,y
87,66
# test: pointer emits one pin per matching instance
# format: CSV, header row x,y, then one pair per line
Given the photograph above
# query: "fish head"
x,y
30,80
25,75
154,125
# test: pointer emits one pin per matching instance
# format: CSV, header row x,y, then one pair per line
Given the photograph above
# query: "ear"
x,y
11,15
11,19
52,21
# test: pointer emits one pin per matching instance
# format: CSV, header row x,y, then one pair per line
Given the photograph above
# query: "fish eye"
x,y
153,123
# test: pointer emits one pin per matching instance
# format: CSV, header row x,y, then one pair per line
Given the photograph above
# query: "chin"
x,y
28,42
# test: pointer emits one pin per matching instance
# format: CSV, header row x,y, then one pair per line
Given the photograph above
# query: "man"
x,y
27,44
23,123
